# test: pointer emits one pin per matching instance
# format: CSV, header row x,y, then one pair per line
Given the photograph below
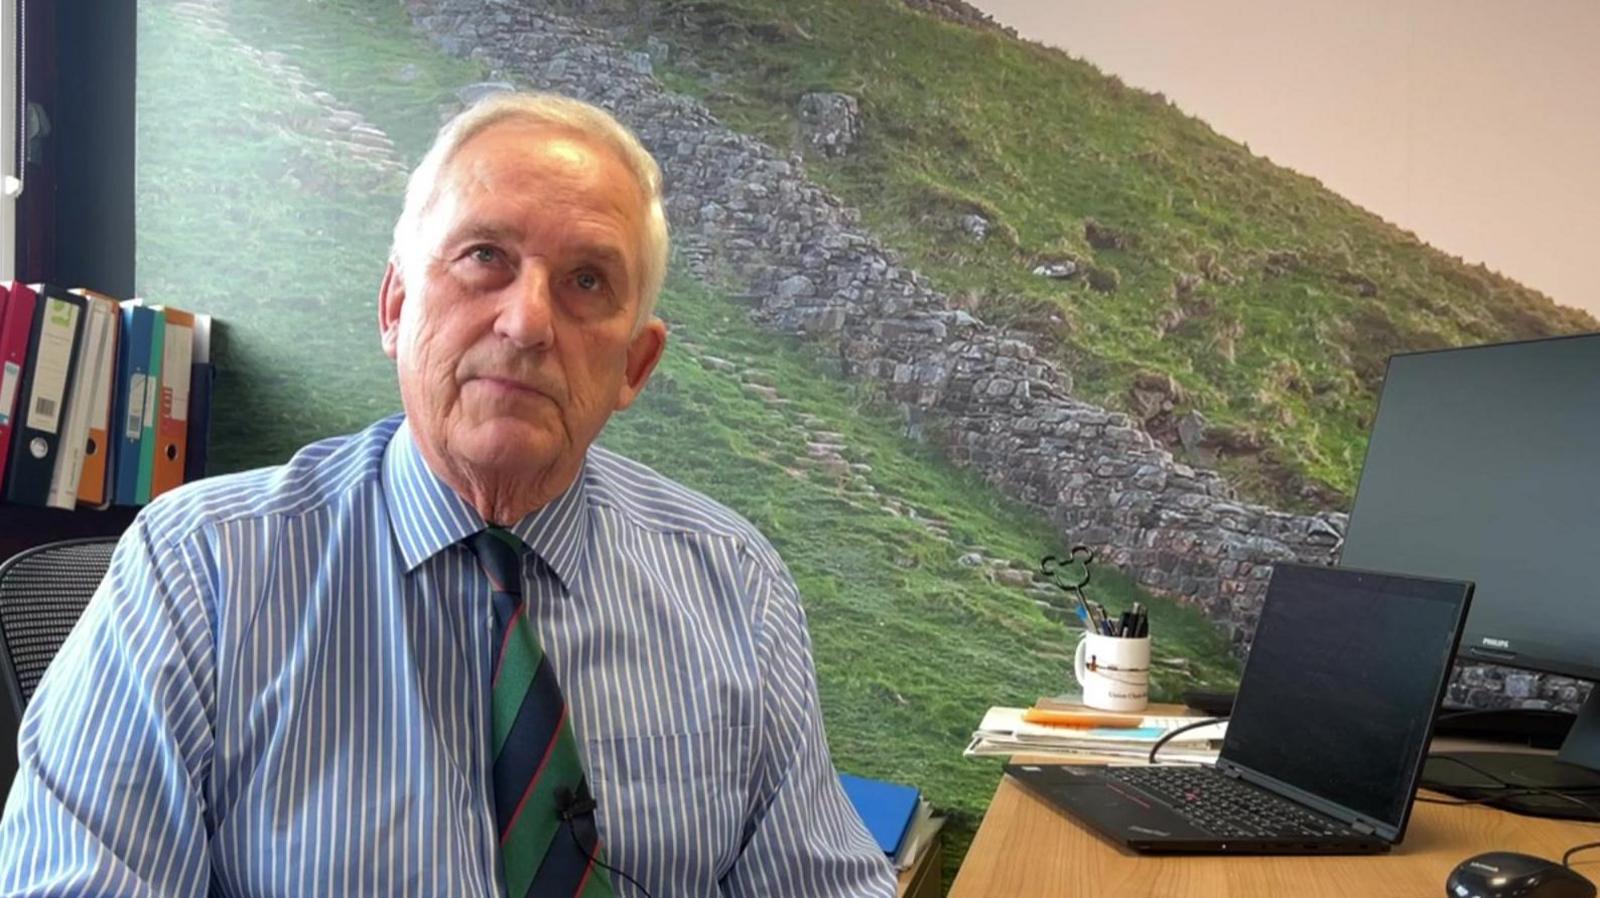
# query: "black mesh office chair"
x,y
43,592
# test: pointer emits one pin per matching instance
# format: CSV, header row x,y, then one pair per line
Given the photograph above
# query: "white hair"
x,y
557,111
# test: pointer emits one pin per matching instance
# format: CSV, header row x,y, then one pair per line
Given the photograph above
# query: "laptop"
x,y
1328,736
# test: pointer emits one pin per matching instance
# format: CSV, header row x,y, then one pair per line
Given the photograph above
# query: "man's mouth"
x,y
508,385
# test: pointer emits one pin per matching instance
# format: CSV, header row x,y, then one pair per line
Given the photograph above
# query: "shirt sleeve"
x,y
115,746
806,839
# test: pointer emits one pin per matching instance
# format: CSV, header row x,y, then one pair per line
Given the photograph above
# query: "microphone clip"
x,y
571,805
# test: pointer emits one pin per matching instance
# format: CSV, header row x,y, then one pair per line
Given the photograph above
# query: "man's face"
x,y
513,323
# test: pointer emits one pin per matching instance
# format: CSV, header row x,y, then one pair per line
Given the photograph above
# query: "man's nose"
x,y
525,313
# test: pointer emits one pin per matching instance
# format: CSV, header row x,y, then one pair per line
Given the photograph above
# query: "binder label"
x,y
152,386
175,371
9,380
51,364
134,426
105,378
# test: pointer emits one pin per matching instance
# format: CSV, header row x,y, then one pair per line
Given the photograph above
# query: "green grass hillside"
x,y
243,215
1208,275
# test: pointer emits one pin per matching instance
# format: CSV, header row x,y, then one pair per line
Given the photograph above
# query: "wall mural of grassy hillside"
x,y
916,575
273,142
1208,278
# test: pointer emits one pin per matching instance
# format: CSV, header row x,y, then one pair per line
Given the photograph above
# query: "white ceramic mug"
x,y
1114,672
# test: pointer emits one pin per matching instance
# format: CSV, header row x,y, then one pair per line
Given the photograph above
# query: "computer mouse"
x,y
1506,874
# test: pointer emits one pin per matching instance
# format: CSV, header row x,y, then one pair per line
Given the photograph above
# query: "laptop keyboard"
x,y
1225,807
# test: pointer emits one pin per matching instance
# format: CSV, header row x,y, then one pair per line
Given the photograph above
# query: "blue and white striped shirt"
x,y
281,688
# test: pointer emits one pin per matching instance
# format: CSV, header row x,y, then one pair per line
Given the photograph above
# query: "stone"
x,y
1000,386
472,93
1056,271
1013,577
826,321
1324,531
975,226
795,286
1521,685
1191,429
343,119
640,62
830,121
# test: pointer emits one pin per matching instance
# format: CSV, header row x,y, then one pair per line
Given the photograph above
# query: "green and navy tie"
x,y
537,770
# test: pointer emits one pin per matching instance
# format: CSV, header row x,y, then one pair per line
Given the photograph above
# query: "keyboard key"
x,y
1226,807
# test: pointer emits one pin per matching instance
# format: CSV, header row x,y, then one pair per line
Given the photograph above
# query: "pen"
x,y
1083,609
1086,719
1103,622
1125,625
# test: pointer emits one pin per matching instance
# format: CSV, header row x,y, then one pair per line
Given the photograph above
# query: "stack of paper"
x,y
919,835
1003,733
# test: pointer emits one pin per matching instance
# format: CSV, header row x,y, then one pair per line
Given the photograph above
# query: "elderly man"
x,y
462,652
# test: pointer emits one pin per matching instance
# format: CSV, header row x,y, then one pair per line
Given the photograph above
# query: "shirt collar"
x,y
428,516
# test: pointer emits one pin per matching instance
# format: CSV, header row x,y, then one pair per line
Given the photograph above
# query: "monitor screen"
x,y
1484,465
1342,683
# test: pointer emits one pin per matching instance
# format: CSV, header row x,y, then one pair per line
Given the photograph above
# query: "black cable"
x,y
1508,789
574,806
1167,736
1504,787
1566,859
604,865
1482,799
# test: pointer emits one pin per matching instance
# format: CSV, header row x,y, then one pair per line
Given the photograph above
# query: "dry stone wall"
x,y
744,215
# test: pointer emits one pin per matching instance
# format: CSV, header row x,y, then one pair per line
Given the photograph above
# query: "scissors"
x,y
1064,573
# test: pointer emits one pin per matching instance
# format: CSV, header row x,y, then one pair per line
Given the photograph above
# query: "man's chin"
x,y
509,444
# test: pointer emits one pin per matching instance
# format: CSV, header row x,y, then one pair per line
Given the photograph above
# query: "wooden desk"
x,y
1025,847
923,879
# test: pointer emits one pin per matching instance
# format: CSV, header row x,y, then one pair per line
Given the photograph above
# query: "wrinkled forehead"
x,y
539,162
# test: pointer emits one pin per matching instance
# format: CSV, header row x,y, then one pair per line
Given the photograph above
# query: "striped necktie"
x,y
538,775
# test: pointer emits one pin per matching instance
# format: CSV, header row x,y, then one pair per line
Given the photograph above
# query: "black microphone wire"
x,y
570,807
604,865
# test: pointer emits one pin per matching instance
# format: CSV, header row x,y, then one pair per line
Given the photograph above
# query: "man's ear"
x,y
643,353
391,295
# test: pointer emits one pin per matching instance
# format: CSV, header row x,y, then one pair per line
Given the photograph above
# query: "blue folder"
x,y
886,809
133,367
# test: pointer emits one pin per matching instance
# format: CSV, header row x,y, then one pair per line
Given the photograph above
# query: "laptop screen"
x,y
1342,683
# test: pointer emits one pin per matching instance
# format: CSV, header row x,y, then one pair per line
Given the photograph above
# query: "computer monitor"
x,y
1484,465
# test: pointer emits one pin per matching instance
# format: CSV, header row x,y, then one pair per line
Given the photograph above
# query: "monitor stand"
x,y
1575,771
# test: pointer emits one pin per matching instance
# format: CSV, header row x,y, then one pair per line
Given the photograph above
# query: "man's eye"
x,y
483,255
587,281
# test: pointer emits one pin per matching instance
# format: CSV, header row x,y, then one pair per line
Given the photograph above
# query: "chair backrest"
x,y
43,592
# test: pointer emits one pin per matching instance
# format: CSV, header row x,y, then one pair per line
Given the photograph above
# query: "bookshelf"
x,y
75,218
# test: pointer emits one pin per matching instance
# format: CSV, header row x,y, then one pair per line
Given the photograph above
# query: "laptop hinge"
x,y
1362,828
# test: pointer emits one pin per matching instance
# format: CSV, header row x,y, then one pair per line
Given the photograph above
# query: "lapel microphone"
x,y
571,805
576,807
